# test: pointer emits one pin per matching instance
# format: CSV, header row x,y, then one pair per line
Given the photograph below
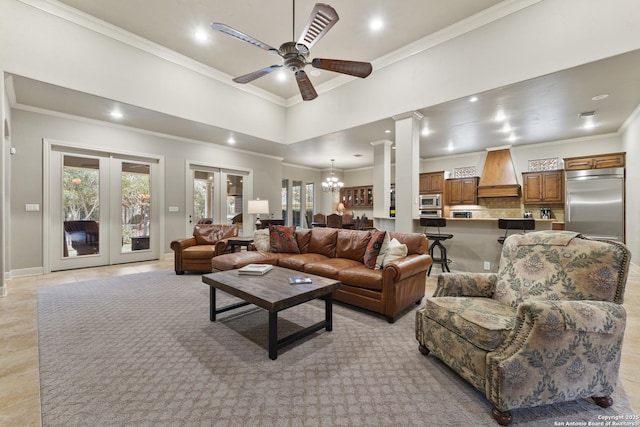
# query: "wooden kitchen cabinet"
x,y
462,191
543,187
353,197
602,161
432,183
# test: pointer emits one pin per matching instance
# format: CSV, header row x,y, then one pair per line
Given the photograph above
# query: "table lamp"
x,y
258,207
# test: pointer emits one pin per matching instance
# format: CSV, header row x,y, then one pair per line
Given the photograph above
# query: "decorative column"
x,y
381,178
407,169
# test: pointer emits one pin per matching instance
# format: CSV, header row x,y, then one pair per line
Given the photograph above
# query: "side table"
x,y
236,243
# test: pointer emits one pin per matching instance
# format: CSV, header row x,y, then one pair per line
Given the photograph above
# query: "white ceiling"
x,y
538,110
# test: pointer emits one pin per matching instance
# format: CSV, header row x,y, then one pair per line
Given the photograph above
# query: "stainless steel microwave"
x,y
430,201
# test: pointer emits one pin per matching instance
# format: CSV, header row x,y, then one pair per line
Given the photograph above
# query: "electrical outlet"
x,y
487,265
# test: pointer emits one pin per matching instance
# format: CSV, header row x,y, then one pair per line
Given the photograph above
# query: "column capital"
x,y
382,142
410,114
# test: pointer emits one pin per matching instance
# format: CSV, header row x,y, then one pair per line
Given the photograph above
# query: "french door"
x,y
215,194
103,208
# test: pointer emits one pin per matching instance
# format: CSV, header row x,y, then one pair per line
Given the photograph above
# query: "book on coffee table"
x,y
298,280
255,269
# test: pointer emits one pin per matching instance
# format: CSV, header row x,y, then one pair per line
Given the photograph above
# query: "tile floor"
x,y
19,376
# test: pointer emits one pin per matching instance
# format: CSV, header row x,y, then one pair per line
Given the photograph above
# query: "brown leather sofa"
x,y
208,241
339,254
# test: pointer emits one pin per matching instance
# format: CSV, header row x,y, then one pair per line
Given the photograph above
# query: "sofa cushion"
x,y
199,251
323,241
235,260
416,242
384,247
297,261
209,234
361,277
303,236
330,267
373,248
484,322
261,240
352,244
395,251
283,239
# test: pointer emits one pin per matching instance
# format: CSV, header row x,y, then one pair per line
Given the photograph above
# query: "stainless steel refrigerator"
x,y
594,203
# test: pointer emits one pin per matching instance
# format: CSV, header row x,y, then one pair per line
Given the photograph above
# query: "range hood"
x,y
499,175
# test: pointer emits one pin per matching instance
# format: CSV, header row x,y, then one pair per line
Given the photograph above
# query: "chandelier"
x,y
332,183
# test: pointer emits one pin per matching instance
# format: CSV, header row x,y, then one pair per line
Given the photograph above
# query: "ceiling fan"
x,y
294,54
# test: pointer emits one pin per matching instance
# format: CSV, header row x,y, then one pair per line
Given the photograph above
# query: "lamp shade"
x,y
258,206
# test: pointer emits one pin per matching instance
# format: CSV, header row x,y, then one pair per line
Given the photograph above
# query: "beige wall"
x,y
631,144
30,128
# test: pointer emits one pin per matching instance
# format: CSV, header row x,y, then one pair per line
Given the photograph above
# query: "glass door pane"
x,y
234,198
296,202
309,205
80,206
285,200
203,196
136,206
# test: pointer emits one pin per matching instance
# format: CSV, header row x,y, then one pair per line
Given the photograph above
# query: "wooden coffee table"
x,y
273,292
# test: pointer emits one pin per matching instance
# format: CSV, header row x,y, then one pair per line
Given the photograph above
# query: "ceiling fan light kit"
x,y
294,54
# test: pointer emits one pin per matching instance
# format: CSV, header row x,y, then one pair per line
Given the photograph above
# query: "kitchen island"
x,y
475,241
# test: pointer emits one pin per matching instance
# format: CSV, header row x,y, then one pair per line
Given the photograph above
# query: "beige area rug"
x,y
140,350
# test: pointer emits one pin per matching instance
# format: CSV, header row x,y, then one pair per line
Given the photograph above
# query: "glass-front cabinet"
x,y
353,197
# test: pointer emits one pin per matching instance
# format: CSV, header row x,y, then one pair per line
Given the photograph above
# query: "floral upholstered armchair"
x,y
546,328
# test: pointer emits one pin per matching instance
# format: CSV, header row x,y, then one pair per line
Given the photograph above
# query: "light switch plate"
x,y
174,209
32,207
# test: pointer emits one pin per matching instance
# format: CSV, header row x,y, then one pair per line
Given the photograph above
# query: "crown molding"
x,y
482,18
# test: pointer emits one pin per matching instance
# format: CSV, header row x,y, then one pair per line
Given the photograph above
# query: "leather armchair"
x,y
547,328
196,252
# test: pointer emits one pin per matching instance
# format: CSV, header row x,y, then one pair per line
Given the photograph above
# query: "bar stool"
x,y
437,239
507,224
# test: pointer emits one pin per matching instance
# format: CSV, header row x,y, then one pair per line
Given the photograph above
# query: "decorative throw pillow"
x,y
373,248
396,251
283,239
384,247
261,240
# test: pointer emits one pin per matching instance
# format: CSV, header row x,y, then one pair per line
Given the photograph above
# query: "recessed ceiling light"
x,y
281,76
315,72
506,128
231,140
500,116
589,123
473,99
201,35
512,137
450,146
376,24
599,97
426,131
116,114
387,131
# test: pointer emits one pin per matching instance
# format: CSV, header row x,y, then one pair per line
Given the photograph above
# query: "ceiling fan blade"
x,y
322,18
223,28
247,78
353,68
306,88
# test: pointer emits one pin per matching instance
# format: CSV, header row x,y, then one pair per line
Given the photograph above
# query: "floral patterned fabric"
x,y
546,329
283,239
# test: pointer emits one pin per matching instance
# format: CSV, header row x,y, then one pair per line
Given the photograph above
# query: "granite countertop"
x,y
495,219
